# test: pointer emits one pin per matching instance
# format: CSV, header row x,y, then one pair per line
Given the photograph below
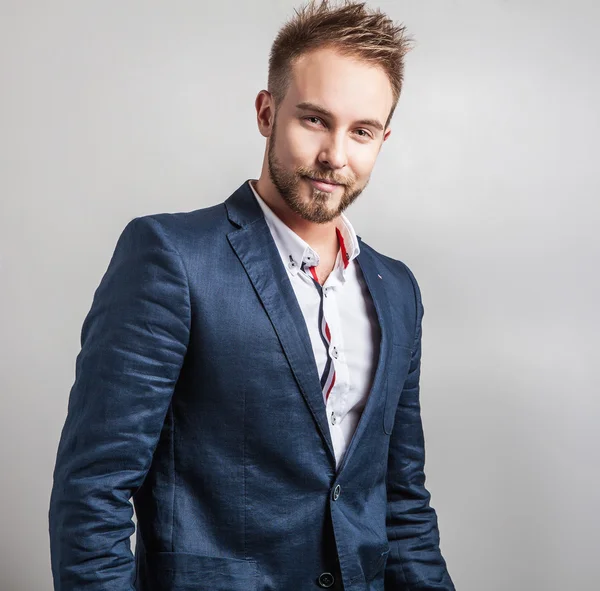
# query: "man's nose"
x,y
334,153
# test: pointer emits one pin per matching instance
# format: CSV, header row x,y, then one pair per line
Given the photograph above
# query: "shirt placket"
x,y
334,379
337,402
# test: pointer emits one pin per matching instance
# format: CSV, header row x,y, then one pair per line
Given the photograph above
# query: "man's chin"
x,y
322,214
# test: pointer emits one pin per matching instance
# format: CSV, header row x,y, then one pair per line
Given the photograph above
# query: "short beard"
x,y
288,185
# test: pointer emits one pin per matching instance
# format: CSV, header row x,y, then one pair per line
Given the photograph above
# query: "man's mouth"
x,y
324,186
323,181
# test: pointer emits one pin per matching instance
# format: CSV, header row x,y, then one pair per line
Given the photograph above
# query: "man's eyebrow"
x,y
306,106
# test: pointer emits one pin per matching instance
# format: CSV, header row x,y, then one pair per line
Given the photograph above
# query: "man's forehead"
x,y
340,86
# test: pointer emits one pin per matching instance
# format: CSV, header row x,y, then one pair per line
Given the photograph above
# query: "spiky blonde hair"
x,y
351,29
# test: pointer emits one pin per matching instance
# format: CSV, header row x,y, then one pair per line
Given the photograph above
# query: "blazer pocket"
x,y
378,565
181,571
373,561
397,374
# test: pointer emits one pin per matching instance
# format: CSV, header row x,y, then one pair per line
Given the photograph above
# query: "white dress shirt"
x,y
350,317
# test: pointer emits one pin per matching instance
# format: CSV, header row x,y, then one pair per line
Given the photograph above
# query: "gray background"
x,y
487,188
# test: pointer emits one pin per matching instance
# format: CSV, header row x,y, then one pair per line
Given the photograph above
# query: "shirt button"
x,y
334,352
326,580
333,419
336,492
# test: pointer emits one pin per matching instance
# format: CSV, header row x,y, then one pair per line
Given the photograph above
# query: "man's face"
x,y
339,146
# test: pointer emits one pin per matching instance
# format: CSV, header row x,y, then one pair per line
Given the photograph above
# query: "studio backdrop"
x,y
488,188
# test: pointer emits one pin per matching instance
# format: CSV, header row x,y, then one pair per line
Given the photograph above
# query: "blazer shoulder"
x,y
180,229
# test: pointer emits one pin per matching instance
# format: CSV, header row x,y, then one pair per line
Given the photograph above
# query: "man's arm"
x,y
133,342
415,562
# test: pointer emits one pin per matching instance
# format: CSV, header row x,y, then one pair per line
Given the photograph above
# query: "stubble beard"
x,y
288,184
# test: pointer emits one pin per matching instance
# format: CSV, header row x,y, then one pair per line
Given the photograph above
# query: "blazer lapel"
x,y
375,278
254,245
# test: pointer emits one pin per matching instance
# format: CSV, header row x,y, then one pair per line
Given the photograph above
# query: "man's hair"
x,y
351,29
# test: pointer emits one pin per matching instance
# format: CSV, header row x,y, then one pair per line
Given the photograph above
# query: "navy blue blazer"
x,y
197,395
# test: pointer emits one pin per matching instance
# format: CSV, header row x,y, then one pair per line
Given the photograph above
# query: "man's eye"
x,y
363,133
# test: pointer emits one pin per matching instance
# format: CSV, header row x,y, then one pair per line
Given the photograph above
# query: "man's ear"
x,y
265,112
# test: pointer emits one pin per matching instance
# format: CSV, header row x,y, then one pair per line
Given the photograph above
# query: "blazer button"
x,y
326,580
336,492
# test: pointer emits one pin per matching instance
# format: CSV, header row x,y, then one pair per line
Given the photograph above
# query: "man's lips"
x,y
325,186
312,178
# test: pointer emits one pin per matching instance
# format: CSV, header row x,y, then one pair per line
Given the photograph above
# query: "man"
x,y
249,372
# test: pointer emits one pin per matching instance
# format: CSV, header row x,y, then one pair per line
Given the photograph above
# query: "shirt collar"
x,y
295,250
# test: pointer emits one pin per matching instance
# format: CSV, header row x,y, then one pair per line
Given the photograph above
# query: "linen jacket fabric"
x,y
196,394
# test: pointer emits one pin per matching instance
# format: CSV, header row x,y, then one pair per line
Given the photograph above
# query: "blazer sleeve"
x,y
133,343
415,562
